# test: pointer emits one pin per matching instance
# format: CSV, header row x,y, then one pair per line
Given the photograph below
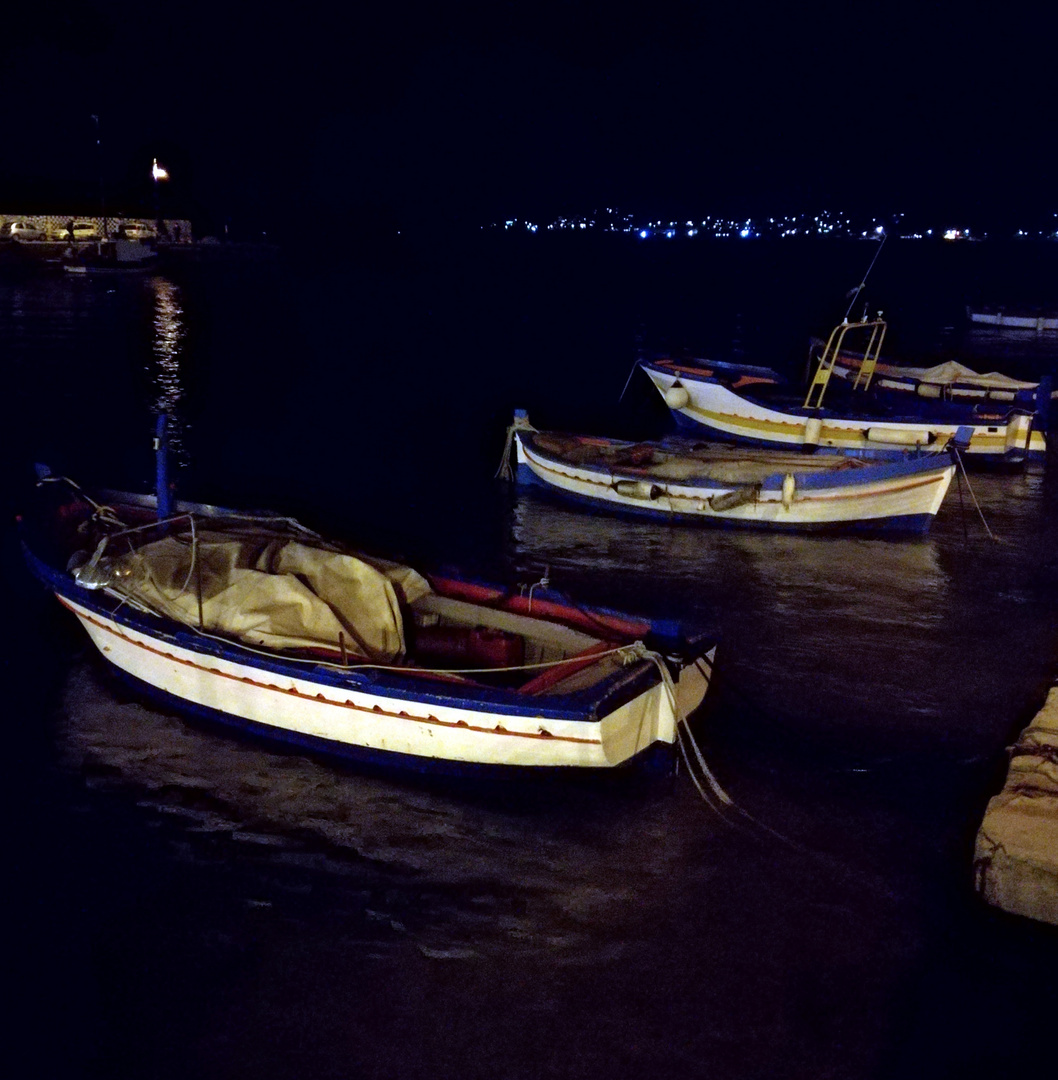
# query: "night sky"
x,y
271,115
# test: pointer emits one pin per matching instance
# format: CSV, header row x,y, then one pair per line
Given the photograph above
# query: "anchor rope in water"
x,y
716,798
505,472
977,506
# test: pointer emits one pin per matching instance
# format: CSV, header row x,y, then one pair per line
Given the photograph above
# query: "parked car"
x,y
137,230
82,230
25,230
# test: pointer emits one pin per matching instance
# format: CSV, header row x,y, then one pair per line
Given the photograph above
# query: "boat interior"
x,y
691,460
278,588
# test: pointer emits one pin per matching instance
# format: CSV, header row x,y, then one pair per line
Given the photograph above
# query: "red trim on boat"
x,y
375,710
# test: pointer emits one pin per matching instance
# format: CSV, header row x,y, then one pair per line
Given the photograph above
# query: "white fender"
x,y
789,486
638,489
677,397
1018,432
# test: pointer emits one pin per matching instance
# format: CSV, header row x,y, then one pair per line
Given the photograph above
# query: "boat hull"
x,y
1011,321
896,497
709,406
387,716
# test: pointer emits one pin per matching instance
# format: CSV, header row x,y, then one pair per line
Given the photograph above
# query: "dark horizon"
x,y
486,111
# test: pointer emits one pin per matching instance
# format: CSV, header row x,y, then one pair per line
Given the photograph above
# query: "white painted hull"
x,y
918,496
729,415
345,717
1039,323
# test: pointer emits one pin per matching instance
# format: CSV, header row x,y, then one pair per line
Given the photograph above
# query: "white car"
x,y
137,230
81,230
24,230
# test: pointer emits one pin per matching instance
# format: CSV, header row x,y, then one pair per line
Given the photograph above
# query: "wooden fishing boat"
x,y
257,622
113,257
681,480
727,403
1014,319
949,390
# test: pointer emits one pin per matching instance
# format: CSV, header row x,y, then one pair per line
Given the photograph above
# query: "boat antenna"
x,y
852,294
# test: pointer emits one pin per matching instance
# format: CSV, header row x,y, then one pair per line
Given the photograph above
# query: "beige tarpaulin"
x,y
276,593
1016,856
952,371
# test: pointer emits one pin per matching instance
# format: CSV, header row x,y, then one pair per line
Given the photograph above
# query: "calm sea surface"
x,y
191,905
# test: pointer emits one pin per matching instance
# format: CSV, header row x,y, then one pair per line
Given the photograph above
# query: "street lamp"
x,y
158,173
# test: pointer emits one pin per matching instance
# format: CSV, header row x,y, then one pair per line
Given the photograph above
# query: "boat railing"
x,y
832,350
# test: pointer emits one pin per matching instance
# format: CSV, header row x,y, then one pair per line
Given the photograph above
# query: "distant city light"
x,y
158,172
825,224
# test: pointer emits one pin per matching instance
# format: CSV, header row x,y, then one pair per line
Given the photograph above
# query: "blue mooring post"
x,y
161,467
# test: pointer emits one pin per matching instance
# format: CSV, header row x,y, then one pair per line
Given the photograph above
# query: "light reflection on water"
x,y
167,348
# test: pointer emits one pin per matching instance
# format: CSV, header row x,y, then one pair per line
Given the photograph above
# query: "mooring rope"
x,y
977,505
505,472
705,781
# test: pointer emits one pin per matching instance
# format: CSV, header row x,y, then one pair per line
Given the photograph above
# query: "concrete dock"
x,y
1016,853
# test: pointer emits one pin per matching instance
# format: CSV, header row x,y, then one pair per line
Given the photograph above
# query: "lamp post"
x,y
158,173
102,190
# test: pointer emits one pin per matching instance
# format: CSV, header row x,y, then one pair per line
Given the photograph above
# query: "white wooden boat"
x,y
113,257
1017,319
724,402
681,480
936,390
257,622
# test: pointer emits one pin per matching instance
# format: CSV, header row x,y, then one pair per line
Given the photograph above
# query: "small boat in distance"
x,y
736,404
113,257
1034,319
255,621
710,483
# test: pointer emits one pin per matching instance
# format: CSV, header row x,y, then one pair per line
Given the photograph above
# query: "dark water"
x,y
191,905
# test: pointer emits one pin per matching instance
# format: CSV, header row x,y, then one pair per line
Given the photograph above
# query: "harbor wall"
x,y
1016,853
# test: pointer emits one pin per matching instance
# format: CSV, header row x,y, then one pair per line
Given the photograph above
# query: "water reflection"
x,y
894,640
463,870
167,347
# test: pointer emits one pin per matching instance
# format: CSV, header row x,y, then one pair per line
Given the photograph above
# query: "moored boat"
x,y
113,257
257,622
940,389
1014,319
726,403
683,480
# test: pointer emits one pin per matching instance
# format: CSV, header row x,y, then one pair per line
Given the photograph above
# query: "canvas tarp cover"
x,y
952,371
1016,856
276,593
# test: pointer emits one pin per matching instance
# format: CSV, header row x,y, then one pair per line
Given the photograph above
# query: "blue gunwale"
x,y
906,463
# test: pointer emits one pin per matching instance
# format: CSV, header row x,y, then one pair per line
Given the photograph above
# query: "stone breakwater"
x,y
1016,854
